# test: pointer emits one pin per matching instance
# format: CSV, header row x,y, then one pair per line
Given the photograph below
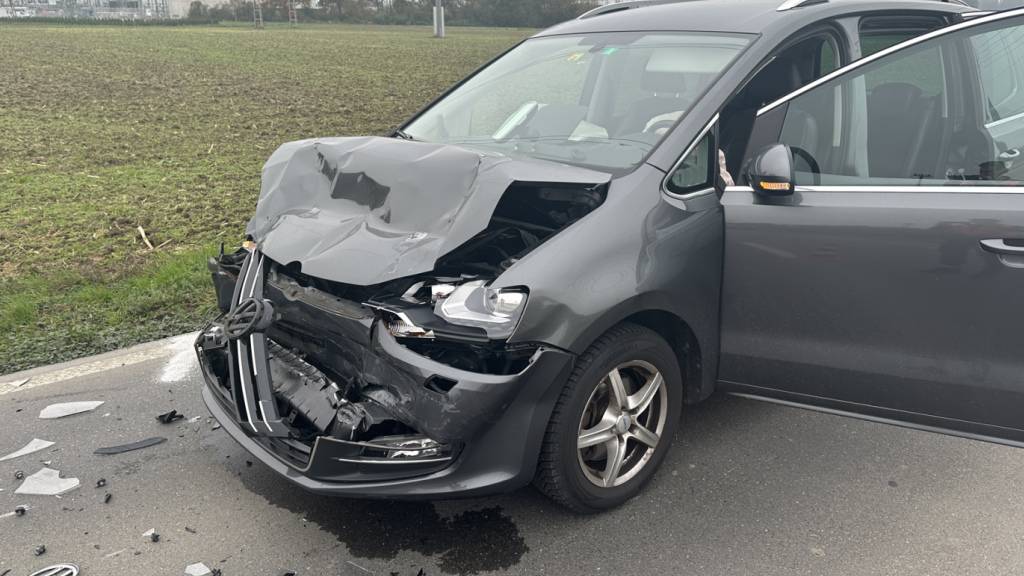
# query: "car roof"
x,y
737,16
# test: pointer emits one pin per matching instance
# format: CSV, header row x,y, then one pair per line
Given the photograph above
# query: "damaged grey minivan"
x,y
529,279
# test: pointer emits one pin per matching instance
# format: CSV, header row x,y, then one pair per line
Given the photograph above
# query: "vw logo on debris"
x,y
251,315
58,570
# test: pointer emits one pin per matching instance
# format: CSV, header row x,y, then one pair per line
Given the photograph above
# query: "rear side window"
x,y
1000,68
880,32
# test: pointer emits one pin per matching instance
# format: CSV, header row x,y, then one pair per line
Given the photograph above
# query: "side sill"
x,y
901,418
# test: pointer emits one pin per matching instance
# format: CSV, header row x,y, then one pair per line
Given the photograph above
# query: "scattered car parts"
x,y
34,446
132,446
198,569
68,408
47,482
169,417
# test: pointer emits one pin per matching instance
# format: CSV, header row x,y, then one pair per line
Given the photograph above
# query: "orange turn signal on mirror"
x,y
781,186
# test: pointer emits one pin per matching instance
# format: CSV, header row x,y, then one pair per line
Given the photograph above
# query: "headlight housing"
x,y
497,311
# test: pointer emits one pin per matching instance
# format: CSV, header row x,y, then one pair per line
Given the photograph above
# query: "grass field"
x,y
106,129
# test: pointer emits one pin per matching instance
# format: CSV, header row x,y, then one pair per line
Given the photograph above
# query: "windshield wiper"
x,y
403,135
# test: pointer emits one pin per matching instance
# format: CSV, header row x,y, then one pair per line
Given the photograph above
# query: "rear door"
x,y
891,284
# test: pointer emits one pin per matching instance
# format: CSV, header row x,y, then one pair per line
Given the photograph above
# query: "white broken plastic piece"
x,y
47,482
194,419
34,446
68,408
198,569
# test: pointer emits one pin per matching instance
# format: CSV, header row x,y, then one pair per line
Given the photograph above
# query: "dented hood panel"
x,y
368,210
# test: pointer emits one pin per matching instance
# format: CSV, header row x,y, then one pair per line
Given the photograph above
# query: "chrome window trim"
x,y
994,17
689,148
739,189
878,189
1002,121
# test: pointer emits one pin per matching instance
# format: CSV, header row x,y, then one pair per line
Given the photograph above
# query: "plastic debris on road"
x,y
18,511
47,482
169,417
133,446
151,535
68,408
198,569
34,446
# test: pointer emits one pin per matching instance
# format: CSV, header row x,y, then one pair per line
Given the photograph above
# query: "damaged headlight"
x,y
475,304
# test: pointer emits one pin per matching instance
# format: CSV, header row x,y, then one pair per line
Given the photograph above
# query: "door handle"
x,y
999,246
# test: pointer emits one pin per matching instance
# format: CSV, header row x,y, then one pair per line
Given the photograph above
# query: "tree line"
x,y
516,13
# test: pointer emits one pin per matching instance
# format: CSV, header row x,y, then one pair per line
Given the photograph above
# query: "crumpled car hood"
x,y
368,210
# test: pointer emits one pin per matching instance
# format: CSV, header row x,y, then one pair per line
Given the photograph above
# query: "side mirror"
x,y
770,171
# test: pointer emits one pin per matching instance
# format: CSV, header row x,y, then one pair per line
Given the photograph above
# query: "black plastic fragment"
x,y
39,550
169,417
101,482
133,446
106,498
20,510
18,475
190,530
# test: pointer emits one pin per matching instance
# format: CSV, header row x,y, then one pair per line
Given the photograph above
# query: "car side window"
x,y
696,171
918,116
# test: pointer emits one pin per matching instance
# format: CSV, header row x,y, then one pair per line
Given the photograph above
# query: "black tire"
x,y
560,471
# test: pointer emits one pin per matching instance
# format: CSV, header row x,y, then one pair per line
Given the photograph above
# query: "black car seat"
x,y
900,117
667,90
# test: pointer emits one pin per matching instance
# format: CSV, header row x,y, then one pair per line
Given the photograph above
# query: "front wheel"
x,y
614,421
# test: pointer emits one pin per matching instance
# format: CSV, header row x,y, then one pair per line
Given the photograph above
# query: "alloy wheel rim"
x,y
622,424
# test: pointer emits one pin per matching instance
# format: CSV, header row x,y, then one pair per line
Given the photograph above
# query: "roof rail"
x,y
620,6
791,4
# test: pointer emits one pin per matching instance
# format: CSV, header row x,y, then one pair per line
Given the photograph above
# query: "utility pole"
x,y
293,14
438,19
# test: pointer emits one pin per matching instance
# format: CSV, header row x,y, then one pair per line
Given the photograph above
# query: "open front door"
x,y
890,283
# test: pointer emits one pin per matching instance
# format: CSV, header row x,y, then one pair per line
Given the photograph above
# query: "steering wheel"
x,y
811,162
660,124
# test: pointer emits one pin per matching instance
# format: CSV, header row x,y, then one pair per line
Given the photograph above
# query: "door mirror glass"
x,y
770,171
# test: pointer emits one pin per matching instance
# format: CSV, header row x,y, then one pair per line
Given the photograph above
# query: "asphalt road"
x,y
749,488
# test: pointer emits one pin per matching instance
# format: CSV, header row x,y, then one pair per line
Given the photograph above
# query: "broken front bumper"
x,y
480,434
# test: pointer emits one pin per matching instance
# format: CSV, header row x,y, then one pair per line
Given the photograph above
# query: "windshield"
x,y
600,100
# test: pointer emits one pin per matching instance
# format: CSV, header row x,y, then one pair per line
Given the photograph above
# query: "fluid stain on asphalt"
x,y
471,542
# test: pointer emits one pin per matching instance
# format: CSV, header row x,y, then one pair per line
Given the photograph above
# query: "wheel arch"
x,y
691,350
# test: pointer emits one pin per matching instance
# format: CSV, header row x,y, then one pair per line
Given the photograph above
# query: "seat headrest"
x,y
896,97
663,83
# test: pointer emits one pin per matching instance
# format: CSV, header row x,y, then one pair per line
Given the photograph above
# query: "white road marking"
x,y
96,364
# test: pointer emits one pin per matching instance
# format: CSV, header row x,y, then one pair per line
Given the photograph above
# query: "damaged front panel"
x,y
360,328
